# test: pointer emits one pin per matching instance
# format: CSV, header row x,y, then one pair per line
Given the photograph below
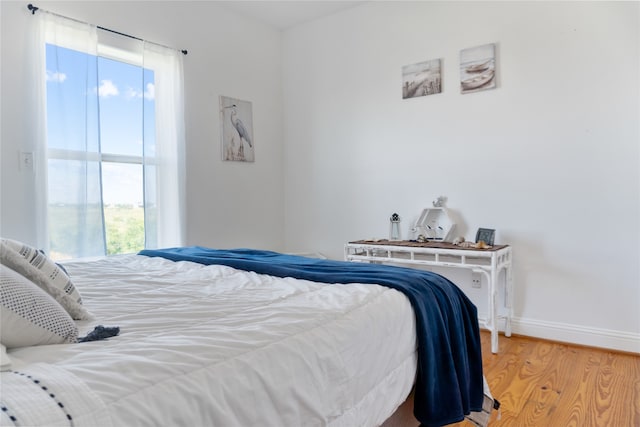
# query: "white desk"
x,y
489,262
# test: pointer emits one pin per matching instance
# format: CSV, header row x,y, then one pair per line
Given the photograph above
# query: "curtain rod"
x,y
33,10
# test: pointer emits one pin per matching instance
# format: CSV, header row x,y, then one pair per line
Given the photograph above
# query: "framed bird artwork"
x,y
236,120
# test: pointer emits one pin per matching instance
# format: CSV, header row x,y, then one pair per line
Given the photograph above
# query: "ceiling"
x,y
286,14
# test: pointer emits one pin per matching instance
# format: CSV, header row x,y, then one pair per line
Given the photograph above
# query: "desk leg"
x,y
493,321
508,288
493,312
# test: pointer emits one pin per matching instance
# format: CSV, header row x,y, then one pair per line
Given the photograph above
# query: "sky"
x,y
104,105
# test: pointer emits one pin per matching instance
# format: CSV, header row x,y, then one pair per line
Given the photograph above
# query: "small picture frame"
x,y
478,68
487,235
424,78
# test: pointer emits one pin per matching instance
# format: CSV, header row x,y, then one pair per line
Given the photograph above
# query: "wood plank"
x,y
545,383
524,382
581,386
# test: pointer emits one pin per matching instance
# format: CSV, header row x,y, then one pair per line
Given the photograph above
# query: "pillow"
x,y
42,271
29,316
40,261
5,361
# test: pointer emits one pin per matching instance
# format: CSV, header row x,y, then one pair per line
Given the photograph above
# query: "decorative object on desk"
x,y
434,224
478,68
440,202
460,241
485,235
482,245
237,129
394,231
471,245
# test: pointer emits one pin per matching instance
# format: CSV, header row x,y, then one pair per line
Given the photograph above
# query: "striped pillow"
x,y
38,268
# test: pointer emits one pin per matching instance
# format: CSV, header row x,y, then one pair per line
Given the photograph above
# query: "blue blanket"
x,y
449,382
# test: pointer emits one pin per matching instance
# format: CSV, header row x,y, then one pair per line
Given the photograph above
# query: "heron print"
x,y
237,129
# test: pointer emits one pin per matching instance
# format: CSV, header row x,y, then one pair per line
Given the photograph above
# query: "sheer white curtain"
x,y
68,196
69,191
164,155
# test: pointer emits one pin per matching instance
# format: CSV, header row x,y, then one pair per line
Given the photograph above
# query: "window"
x,y
95,135
109,147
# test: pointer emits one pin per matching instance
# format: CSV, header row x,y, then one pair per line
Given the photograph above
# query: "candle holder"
x,y
394,227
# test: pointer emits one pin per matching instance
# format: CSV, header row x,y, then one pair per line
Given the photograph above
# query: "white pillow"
x,y
29,316
42,271
5,361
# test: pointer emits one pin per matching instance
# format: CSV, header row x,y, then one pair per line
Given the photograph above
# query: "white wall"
x,y
542,158
229,203
550,158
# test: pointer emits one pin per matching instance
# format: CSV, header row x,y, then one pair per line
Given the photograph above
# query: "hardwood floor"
x,y
543,383
549,384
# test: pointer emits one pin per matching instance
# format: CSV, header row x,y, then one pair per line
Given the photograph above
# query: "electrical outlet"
x,y
476,280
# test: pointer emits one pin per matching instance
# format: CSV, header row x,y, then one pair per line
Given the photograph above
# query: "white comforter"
x,y
214,346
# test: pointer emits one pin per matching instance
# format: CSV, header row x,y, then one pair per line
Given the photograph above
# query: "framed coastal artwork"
x,y
422,79
236,120
478,68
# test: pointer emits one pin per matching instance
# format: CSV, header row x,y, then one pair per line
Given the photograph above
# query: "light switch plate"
x,y
26,161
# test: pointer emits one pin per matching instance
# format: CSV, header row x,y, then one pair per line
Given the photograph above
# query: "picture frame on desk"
x,y
487,235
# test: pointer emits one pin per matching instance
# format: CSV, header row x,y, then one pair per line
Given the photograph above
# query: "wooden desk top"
x,y
430,244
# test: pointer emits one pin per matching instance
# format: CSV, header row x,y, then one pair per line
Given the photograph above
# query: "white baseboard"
x,y
565,332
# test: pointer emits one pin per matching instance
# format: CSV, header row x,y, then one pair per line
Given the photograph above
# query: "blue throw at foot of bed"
x,y
449,382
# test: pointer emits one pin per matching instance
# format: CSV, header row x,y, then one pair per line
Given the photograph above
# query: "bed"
x,y
212,338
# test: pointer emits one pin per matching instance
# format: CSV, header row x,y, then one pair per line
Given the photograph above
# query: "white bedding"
x,y
214,346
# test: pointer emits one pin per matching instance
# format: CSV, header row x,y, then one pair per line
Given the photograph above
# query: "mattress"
x,y
215,346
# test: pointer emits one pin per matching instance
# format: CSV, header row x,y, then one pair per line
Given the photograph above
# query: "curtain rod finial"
x,y
32,8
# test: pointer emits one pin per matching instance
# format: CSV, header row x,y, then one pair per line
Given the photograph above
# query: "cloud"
x,y
149,93
132,93
107,89
56,77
